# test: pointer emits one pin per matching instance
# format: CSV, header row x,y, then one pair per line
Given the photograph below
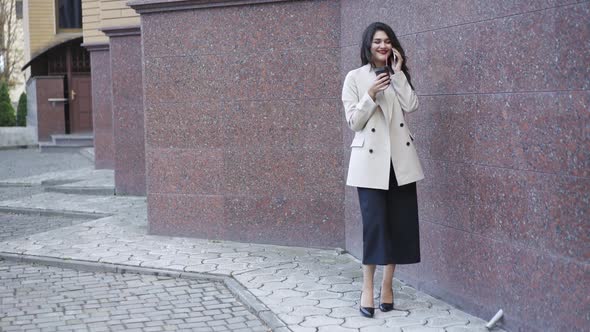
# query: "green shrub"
x,y
7,117
21,110
4,96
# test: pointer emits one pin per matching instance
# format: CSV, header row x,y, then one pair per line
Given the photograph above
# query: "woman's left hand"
x,y
399,60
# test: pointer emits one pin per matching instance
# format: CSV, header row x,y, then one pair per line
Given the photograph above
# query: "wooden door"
x,y
81,104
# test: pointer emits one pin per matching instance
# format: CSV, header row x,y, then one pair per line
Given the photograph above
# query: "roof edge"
x,y
154,6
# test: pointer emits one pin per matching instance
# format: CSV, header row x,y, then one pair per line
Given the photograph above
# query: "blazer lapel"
x,y
384,101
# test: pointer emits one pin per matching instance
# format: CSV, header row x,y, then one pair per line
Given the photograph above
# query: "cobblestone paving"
x,y
42,298
17,225
309,290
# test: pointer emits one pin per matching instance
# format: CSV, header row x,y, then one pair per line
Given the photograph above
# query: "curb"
x,y
53,213
248,299
19,147
57,182
99,191
16,184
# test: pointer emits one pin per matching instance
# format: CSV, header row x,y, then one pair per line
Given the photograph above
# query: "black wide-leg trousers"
x,y
390,224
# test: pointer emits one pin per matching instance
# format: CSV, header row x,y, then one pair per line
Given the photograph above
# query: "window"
x,y
69,14
19,9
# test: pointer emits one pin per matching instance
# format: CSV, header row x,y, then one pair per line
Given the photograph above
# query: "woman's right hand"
x,y
380,84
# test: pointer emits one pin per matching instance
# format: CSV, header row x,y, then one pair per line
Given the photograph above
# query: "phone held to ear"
x,y
381,70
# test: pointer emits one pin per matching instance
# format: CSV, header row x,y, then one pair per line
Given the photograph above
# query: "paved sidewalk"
x,y
44,298
289,288
14,226
17,163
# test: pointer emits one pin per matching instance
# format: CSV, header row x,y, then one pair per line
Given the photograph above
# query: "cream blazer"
x,y
381,132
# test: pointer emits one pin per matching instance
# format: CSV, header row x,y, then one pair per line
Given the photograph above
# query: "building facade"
x,y
244,137
57,69
112,35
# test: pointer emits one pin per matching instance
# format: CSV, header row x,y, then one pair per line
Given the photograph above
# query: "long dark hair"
x,y
366,56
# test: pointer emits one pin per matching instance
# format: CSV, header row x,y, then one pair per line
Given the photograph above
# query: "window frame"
x,y
65,30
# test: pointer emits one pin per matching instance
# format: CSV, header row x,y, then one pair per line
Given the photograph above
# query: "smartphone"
x,y
381,70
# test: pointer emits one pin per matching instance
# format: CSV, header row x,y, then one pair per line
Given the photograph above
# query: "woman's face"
x,y
380,48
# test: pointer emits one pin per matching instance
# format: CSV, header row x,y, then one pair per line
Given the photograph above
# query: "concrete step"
x,y
51,147
81,140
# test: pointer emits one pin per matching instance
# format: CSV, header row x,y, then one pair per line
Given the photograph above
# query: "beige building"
x,y
99,14
47,24
57,69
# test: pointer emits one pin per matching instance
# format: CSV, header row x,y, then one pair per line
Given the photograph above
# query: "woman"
x,y
384,165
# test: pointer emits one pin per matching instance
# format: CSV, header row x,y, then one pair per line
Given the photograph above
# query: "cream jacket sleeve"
x,y
405,94
358,108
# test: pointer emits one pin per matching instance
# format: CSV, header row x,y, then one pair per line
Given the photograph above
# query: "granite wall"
x,y
102,115
243,120
127,109
502,132
246,139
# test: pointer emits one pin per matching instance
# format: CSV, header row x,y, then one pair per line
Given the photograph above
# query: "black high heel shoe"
x,y
385,307
368,312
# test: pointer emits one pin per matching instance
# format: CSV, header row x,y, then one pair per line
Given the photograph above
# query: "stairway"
x,y
67,143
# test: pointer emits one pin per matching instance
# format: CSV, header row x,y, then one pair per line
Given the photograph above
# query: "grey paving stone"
x,y
284,293
310,311
422,329
287,280
446,321
468,328
411,304
317,321
18,225
351,296
123,309
17,163
297,328
344,312
290,319
311,286
334,303
380,329
20,192
331,280
298,301
335,328
359,322
341,288
274,285
300,277
322,294
404,322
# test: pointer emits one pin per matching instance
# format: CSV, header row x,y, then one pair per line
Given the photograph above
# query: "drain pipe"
x,y
495,319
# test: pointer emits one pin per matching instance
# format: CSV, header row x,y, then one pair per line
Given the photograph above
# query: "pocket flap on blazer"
x,y
358,141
